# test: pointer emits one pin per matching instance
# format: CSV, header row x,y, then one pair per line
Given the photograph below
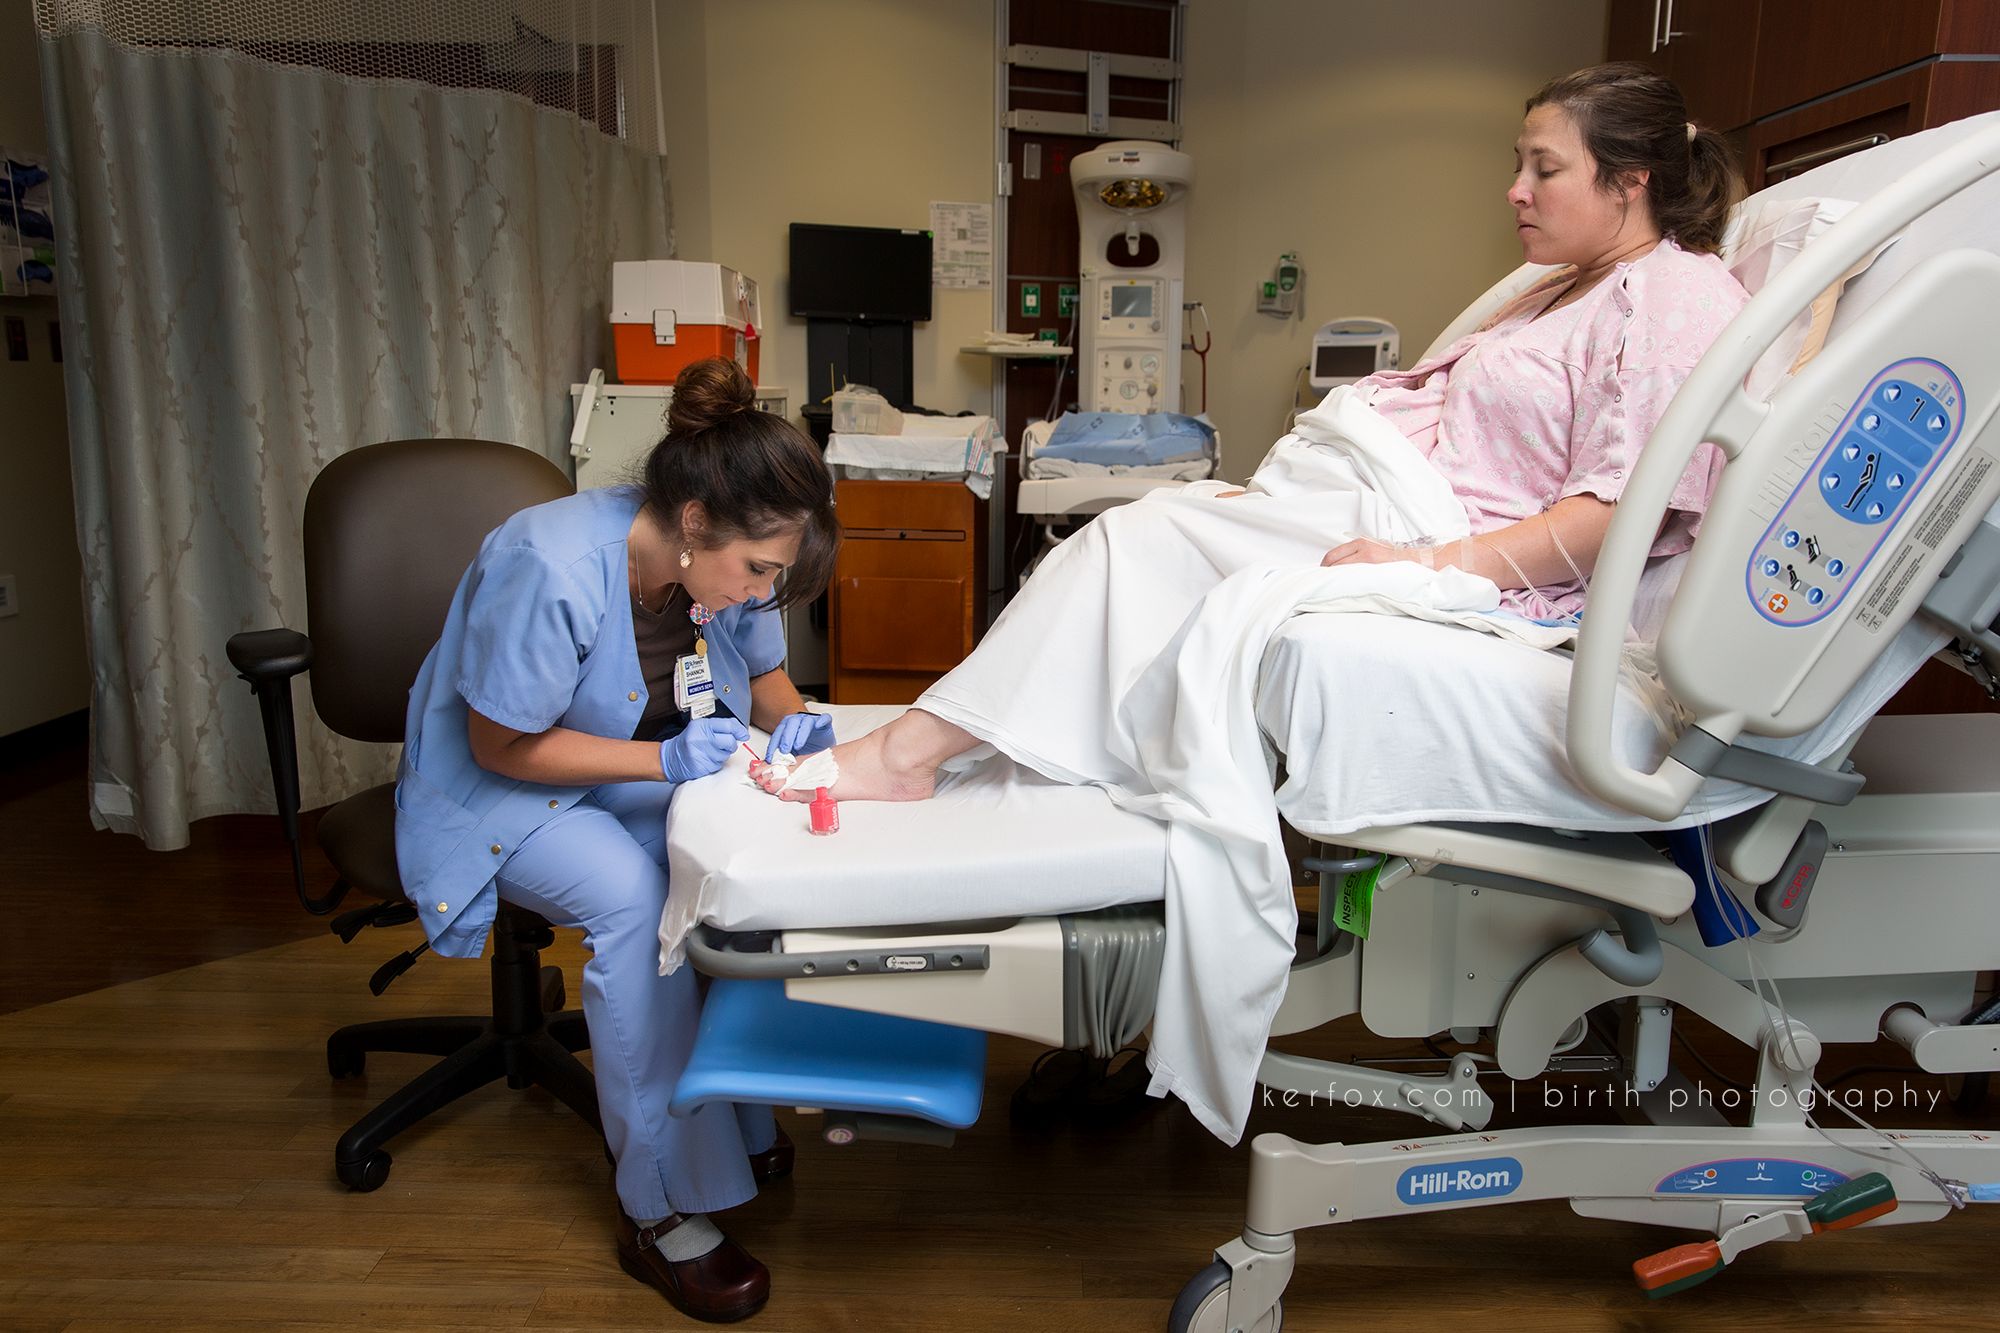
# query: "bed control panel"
x,y
1836,519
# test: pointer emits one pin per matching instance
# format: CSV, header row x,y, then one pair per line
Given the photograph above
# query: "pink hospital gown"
x,y
1529,411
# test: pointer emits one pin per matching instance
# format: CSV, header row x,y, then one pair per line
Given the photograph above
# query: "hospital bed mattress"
x,y
997,841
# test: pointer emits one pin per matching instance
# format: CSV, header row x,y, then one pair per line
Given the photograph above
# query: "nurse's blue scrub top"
x,y
539,635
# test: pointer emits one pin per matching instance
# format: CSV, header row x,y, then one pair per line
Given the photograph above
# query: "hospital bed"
x,y
1533,907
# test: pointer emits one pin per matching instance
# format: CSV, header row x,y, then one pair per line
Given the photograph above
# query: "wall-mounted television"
x,y
860,273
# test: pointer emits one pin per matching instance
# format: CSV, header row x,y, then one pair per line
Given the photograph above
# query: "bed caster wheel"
x,y
1203,1306
365,1175
554,996
345,1061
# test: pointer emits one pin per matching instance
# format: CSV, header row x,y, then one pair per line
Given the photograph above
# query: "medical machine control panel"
x,y
1129,381
1131,345
1345,350
1836,518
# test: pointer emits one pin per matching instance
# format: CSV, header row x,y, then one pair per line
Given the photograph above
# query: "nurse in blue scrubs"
x,y
601,650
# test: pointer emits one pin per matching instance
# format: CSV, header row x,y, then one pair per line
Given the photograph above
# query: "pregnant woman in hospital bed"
x,y
1503,458
563,703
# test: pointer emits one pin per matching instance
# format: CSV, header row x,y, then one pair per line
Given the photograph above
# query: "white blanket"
x,y
1130,661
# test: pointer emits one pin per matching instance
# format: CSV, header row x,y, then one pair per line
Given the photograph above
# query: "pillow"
x,y
1762,239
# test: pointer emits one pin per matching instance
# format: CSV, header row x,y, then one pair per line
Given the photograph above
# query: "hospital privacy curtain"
x,y
288,229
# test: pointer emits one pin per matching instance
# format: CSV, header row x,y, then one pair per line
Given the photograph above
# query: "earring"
x,y
687,557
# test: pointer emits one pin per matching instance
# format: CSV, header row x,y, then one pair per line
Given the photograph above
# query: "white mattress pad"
x,y
997,841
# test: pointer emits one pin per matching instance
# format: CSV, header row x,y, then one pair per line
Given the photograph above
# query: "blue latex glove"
x,y
701,747
800,733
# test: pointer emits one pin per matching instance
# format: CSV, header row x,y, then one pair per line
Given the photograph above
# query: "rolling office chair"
x,y
389,531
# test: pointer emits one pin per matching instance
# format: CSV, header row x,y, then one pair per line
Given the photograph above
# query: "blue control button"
x,y
1871,421
1875,511
1814,596
1891,392
1790,538
1771,568
1851,452
1937,423
1831,481
1895,481
1835,568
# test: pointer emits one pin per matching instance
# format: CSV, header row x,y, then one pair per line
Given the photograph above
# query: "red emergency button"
x,y
1777,602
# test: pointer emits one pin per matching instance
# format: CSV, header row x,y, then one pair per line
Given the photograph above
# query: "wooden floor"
x,y
168,1145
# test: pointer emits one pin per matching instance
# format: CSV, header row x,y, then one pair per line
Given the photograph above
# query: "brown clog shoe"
x,y
720,1287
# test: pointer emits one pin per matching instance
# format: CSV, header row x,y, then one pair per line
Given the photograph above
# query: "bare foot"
x,y
897,762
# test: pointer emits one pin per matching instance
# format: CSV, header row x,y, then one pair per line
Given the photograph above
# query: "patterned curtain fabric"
x,y
264,264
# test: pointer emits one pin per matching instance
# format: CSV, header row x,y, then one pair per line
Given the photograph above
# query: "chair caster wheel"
x,y
554,995
365,1175
345,1061
1203,1306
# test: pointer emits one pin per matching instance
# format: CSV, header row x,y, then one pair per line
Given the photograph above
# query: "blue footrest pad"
x,y
755,1045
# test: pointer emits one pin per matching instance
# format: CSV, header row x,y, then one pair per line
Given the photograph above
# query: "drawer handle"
x,y
904,534
1827,154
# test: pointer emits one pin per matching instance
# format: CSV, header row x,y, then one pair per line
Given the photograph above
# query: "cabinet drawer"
x,y
1784,147
1920,99
935,506
902,624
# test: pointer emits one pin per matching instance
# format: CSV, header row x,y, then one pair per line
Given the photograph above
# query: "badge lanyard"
x,y
694,684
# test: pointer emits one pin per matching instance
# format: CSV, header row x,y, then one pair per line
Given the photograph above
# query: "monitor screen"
x,y
1132,302
1332,361
860,273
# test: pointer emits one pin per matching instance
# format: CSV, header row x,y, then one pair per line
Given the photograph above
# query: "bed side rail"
x,y
1745,648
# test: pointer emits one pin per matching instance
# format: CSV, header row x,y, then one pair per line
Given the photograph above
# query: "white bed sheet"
x,y
1479,733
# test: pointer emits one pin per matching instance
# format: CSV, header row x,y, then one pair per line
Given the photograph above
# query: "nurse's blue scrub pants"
x,y
600,866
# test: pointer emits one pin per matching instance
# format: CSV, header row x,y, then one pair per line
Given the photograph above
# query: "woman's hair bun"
x,y
707,392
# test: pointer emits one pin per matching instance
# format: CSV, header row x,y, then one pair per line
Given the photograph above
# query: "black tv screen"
x,y
879,273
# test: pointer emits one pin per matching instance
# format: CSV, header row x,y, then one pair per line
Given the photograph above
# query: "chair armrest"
x,y
268,659
269,655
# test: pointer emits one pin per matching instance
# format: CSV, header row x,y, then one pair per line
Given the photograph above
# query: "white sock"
x,y
692,1239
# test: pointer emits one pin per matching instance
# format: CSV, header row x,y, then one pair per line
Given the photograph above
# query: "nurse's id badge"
x,y
694,687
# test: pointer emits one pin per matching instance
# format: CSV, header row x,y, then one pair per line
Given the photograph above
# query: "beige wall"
x,y
858,113
1373,139
42,670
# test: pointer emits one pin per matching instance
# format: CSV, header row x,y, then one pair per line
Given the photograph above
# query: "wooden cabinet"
x,y
1812,48
1806,79
1708,47
1634,33
909,587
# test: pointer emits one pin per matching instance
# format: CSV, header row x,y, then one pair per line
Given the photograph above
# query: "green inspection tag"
x,y
1355,905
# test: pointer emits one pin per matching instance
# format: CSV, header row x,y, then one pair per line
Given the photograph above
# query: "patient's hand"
x,y
1367,551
